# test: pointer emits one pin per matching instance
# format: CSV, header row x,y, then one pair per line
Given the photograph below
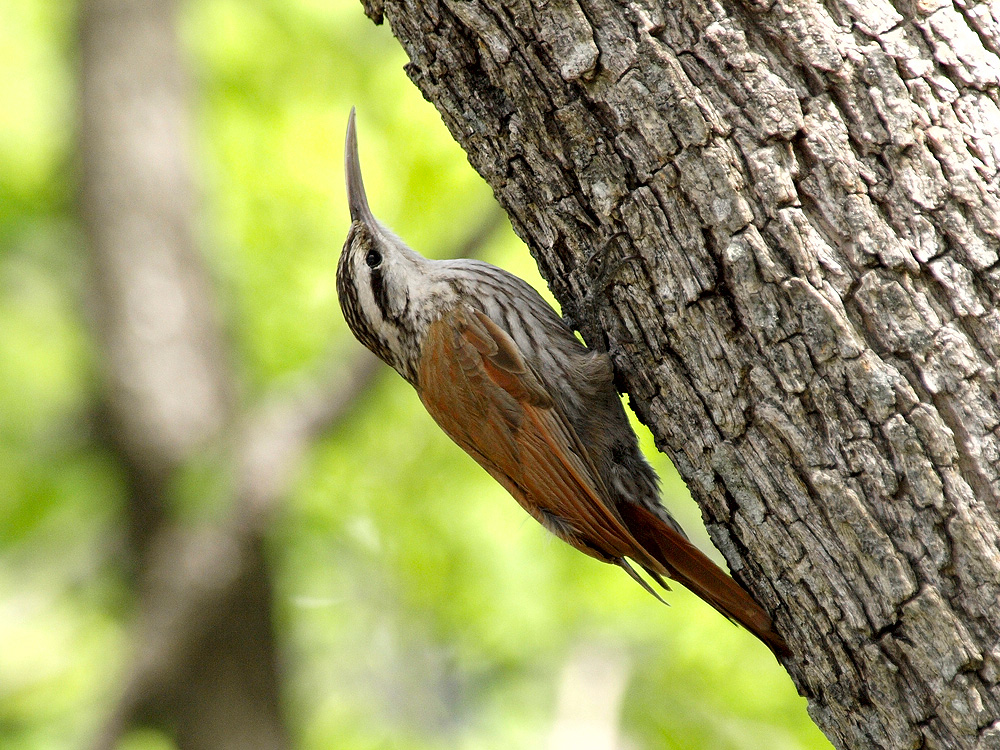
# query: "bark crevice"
x,y
809,321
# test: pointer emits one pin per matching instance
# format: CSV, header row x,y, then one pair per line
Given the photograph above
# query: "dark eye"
x,y
373,258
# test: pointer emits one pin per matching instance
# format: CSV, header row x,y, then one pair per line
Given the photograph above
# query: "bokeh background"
x,y
414,604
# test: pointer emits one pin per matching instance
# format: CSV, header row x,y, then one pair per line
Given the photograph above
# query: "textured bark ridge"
x,y
798,214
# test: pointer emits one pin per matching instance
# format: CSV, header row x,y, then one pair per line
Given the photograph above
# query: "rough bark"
x,y
783,219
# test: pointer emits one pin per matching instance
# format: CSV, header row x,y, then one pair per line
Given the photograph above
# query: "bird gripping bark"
x,y
503,375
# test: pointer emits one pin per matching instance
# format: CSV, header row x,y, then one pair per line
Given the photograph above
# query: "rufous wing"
x,y
475,383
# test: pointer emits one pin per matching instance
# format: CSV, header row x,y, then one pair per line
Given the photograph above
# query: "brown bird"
x,y
506,379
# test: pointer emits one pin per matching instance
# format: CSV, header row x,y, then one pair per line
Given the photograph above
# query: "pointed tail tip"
x,y
689,566
744,610
775,642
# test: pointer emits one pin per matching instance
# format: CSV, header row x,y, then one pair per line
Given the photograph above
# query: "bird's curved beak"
x,y
356,198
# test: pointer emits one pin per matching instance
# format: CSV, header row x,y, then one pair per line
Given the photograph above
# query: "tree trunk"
x,y
783,220
167,393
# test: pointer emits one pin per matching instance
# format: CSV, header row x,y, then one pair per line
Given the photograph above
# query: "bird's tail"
x,y
690,567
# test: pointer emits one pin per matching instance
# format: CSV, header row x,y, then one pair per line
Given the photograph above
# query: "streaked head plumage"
x,y
379,279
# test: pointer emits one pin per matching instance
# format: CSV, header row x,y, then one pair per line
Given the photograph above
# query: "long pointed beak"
x,y
356,198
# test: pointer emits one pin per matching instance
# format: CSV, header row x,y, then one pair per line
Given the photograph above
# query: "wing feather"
x,y
475,383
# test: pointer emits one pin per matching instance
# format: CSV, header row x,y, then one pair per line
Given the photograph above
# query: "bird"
x,y
506,379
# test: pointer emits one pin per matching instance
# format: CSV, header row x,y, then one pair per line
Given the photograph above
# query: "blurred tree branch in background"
x,y
206,672
205,664
167,382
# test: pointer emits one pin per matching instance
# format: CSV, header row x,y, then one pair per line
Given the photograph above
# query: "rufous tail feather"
x,y
690,567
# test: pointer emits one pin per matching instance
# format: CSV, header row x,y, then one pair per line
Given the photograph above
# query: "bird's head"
x,y
382,284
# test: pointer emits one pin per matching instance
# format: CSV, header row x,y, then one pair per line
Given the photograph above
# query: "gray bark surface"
x,y
783,218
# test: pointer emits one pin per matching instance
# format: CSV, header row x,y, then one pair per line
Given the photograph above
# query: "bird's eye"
x,y
373,258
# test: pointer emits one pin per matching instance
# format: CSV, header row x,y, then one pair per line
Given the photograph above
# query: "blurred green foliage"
x,y
417,606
